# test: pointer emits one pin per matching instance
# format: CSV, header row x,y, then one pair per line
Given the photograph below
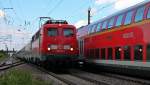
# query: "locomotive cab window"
x,y
68,32
139,14
138,52
52,32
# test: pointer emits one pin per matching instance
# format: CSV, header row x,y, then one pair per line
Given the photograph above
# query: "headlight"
x,y
71,49
140,49
48,48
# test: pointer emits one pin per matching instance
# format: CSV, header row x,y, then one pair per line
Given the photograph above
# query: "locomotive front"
x,y
59,42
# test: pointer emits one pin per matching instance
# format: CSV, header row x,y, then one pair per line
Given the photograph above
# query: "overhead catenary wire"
x,y
104,7
47,3
80,8
76,11
33,22
108,5
54,7
18,17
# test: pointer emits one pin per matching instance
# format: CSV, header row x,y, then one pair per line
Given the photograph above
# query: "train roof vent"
x,y
56,22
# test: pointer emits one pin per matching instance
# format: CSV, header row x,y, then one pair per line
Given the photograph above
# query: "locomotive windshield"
x,y
52,32
68,32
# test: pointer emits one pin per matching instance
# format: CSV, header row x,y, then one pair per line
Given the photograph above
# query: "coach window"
x,y
111,23
104,25
92,54
110,51
138,52
119,20
88,53
98,27
139,14
97,53
52,32
148,14
148,52
118,52
89,28
103,53
127,52
93,28
68,32
128,18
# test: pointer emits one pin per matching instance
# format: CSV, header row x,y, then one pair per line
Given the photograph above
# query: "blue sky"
x,y
21,22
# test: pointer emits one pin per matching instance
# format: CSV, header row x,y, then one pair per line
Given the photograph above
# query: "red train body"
x,y
118,40
55,42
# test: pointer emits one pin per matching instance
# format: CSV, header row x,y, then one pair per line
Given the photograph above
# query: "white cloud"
x,y
93,11
80,23
2,13
15,36
122,4
99,2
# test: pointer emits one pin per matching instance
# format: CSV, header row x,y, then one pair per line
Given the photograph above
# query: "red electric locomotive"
x,y
54,43
119,41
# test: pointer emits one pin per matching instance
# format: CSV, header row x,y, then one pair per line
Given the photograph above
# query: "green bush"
x,y
2,56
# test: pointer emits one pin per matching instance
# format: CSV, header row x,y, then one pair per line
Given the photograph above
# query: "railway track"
x,y
78,77
67,78
127,78
109,79
4,67
4,64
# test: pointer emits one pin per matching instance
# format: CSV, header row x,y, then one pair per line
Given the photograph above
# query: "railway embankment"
x,y
20,77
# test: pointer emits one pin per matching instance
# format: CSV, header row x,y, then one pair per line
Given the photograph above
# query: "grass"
x,y
19,77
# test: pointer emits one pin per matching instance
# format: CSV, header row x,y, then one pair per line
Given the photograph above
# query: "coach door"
x,y
81,47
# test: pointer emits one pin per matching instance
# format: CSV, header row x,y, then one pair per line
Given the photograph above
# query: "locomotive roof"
x,y
117,13
56,22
